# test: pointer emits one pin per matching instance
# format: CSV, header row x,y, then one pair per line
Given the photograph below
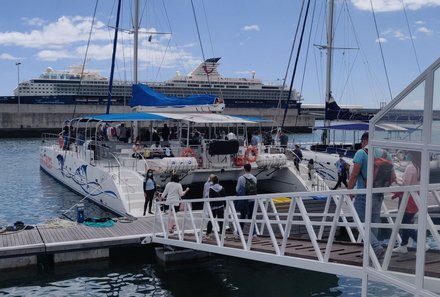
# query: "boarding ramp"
x,y
292,231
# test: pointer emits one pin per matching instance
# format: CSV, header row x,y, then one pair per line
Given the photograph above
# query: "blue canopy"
x,y
120,117
143,95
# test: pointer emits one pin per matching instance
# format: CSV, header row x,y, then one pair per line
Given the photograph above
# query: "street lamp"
x,y
18,83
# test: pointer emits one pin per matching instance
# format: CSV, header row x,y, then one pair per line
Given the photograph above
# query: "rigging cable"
x,y
290,61
412,39
200,40
207,27
296,63
308,47
381,50
168,44
85,56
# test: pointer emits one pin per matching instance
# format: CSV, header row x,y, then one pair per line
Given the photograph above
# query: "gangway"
x,y
295,233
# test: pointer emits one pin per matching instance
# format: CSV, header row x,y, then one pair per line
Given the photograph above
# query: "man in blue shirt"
x,y
358,176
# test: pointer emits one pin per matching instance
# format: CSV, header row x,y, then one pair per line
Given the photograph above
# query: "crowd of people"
x,y
173,194
247,184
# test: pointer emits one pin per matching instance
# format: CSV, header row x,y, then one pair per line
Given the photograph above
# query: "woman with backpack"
x,y
149,190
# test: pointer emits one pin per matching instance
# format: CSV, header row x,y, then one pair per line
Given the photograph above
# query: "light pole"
x,y
18,83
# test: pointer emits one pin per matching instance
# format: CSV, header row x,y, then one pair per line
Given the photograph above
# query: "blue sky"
x,y
248,36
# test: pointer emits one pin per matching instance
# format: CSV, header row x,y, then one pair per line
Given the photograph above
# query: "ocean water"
x,y
29,195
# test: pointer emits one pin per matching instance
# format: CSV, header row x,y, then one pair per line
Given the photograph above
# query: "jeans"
x,y
407,233
246,210
216,213
360,206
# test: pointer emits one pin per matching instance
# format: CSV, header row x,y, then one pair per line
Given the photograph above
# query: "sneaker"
x,y
207,236
403,249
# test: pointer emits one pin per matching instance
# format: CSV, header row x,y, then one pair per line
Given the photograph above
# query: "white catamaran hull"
x,y
100,186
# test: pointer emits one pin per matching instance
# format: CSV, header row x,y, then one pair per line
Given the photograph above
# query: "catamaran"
x,y
104,169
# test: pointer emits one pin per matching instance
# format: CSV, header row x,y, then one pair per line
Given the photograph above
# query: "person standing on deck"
x,y
343,169
165,132
298,156
149,190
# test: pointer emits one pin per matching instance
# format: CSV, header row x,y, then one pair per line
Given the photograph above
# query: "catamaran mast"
x,y
112,70
136,40
328,85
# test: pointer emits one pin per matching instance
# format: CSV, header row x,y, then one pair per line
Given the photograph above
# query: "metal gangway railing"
x,y
275,223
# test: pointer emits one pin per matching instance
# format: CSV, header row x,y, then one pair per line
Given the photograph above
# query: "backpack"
x,y
250,186
383,173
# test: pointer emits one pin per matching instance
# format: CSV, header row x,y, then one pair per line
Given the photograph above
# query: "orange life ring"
x,y
187,153
251,150
60,141
239,161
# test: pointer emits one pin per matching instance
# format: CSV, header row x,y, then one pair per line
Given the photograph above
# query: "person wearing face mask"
x,y
149,190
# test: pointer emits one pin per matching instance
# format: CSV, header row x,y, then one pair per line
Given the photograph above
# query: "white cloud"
x,y
64,31
34,21
424,30
54,55
5,56
400,35
381,39
394,5
251,28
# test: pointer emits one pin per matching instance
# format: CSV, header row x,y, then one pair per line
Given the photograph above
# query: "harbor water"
x,y
29,195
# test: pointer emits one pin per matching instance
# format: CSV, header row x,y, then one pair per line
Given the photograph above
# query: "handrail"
x,y
267,215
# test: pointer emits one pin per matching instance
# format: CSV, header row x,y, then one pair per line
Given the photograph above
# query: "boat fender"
x,y
239,161
251,154
187,153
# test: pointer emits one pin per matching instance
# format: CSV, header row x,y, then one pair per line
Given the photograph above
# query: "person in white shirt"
x,y
156,149
231,136
173,193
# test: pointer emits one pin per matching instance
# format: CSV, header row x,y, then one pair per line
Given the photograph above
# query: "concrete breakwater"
x,y
30,120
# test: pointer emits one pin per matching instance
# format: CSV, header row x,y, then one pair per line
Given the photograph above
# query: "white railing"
x,y
338,212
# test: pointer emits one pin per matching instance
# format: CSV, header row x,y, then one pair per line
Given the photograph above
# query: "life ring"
x,y
60,141
252,150
187,153
239,161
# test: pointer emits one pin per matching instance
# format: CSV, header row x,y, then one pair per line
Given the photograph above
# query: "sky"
x,y
376,56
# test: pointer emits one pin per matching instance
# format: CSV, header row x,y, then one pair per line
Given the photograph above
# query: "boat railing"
x,y
298,218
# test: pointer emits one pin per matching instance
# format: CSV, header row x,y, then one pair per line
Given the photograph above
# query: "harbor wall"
x,y
30,120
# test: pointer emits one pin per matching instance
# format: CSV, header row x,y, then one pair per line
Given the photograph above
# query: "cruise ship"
x,y
77,86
